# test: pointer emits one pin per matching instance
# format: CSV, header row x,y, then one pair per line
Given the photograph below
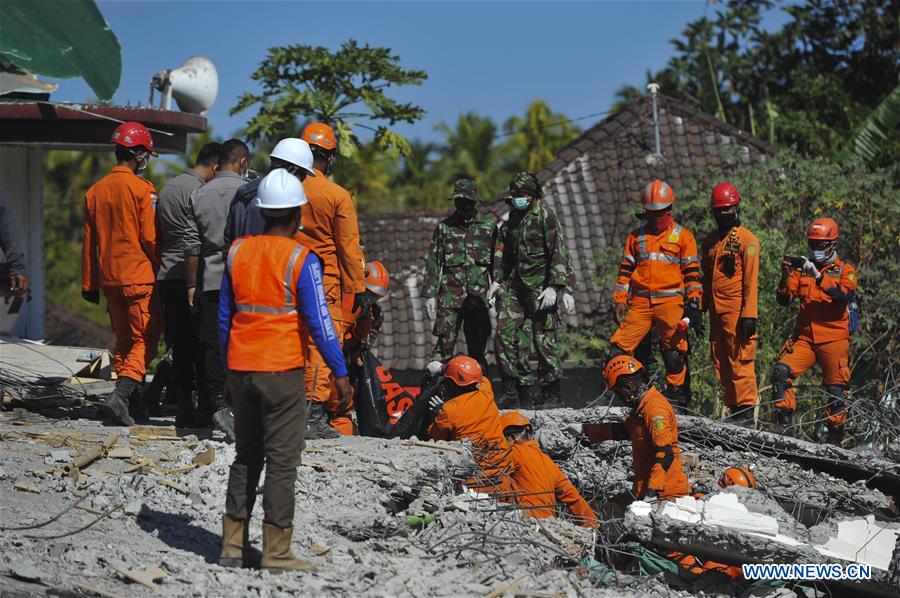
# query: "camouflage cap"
x,y
464,189
526,182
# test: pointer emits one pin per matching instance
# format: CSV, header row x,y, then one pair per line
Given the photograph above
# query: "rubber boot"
x,y
235,534
137,406
551,395
317,427
835,435
784,421
742,416
510,397
526,396
223,420
116,403
277,554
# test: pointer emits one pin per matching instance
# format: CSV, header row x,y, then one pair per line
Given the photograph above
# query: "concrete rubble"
x,y
390,517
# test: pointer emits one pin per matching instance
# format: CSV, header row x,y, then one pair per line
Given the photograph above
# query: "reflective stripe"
x,y
690,259
628,258
289,301
659,294
264,309
660,257
377,289
232,252
621,287
642,241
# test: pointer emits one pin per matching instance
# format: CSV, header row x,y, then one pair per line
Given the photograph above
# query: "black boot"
x,y
223,420
509,399
678,397
317,427
137,406
551,395
116,403
742,416
184,414
526,395
784,421
835,435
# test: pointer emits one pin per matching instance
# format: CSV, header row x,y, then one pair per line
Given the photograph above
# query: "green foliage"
x,y
535,138
346,89
811,84
781,197
875,131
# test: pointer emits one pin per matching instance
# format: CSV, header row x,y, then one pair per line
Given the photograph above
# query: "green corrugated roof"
x,y
62,39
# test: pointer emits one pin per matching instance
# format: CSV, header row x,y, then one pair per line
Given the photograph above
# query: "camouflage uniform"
x,y
530,256
458,272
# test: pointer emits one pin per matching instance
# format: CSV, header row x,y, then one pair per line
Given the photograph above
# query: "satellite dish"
x,y
194,85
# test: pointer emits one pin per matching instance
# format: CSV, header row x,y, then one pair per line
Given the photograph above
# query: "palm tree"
x,y
536,137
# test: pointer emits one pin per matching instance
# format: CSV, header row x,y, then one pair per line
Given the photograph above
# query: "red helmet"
x,y
377,279
737,476
822,229
657,196
513,418
462,370
622,365
132,134
725,194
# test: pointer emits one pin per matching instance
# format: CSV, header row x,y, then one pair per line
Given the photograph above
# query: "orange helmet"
x,y
377,278
657,196
462,370
621,365
513,418
319,134
737,476
822,229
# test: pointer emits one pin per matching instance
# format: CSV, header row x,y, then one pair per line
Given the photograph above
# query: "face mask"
x,y
725,221
820,256
465,207
520,203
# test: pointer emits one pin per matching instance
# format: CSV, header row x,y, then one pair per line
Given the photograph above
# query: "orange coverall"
x,y
331,230
822,333
120,257
730,292
655,456
657,273
474,416
538,484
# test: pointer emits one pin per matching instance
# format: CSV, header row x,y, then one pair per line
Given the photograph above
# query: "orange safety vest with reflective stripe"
x,y
663,267
267,333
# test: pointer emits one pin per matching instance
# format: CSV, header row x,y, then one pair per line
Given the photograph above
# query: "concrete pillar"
x,y
22,183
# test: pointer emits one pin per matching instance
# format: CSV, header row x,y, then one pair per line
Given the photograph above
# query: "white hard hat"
x,y
279,190
296,151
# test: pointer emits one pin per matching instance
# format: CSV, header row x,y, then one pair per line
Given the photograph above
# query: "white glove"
x,y
435,367
492,291
547,298
809,269
431,308
573,429
568,303
435,404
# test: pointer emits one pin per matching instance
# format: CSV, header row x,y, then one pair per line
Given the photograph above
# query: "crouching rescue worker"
x,y
658,286
120,258
464,408
537,482
271,299
730,257
824,285
652,428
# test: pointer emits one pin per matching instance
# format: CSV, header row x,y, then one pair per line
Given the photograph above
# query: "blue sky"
x,y
490,57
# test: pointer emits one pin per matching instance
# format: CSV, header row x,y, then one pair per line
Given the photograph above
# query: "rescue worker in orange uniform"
x,y
652,428
364,329
331,230
730,259
464,408
271,302
537,482
658,286
120,258
825,285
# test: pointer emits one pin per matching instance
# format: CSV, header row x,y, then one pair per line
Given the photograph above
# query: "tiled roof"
x,y
592,186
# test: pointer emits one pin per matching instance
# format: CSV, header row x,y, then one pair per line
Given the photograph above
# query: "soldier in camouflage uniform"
x,y
458,274
533,272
